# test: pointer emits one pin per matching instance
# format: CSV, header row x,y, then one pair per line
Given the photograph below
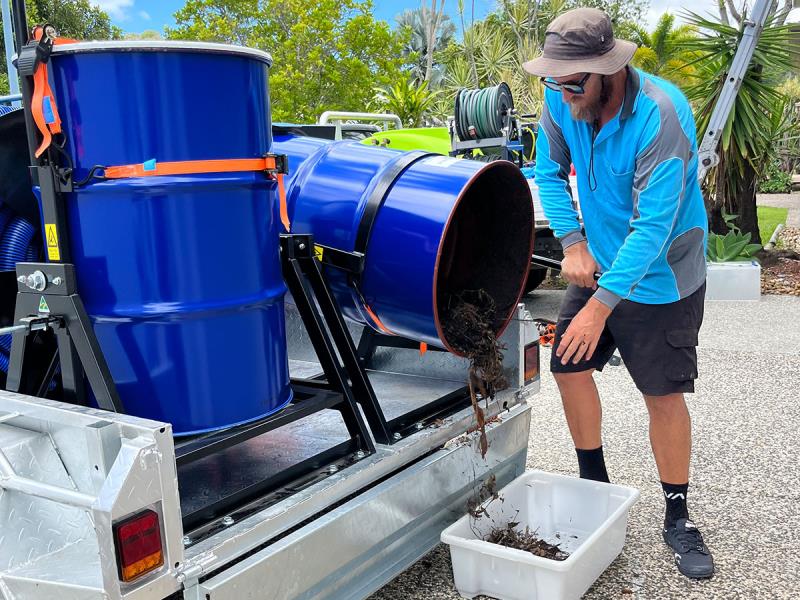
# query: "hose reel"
x,y
485,126
484,113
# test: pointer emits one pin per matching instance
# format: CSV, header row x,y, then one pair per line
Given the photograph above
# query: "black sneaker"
x,y
691,555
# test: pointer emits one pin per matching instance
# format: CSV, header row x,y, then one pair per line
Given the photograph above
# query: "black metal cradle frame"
x,y
354,360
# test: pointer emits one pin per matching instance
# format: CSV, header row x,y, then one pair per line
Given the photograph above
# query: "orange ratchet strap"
x,y
152,168
43,102
371,313
423,347
376,320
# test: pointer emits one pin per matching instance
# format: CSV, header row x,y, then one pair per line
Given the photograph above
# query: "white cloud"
x,y
118,10
144,15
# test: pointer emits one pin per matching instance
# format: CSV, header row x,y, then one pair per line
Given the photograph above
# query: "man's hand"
x,y
580,339
578,266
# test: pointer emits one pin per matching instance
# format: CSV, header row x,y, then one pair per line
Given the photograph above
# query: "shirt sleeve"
x,y
659,185
552,178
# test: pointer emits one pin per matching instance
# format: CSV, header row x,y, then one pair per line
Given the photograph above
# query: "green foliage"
x,y
730,222
414,26
328,54
147,34
791,88
493,49
775,180
77,19
757,121
406,99
662,52
618,10
749,132
222,21
789,146
769,217
732,246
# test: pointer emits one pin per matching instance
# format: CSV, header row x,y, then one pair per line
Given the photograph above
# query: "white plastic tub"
x,y
734,281
585,518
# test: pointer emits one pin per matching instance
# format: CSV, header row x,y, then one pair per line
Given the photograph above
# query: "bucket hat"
x,y
581,41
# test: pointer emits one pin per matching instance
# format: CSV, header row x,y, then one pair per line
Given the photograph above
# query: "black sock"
x,y
592,465
675,497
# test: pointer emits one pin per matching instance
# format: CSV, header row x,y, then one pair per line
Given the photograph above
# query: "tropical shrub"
x,y
732,246
409,101
775,180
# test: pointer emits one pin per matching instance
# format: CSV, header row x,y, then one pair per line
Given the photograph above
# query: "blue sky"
x,y
138,15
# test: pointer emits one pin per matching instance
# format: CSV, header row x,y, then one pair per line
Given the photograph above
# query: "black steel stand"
x,y
344,366
317,306
49,289
262,491
409,422
310,290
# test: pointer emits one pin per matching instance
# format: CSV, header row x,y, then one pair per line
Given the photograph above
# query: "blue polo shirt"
x,y
643,213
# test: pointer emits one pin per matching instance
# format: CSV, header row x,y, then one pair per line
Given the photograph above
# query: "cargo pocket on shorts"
x,y
682,361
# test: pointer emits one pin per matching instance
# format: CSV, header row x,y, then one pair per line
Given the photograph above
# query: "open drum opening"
x,y
486,245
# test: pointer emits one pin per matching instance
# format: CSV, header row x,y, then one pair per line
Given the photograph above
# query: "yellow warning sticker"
x,y
52,241
318,252
43,307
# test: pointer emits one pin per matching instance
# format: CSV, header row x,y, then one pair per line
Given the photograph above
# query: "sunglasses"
x,y
573,87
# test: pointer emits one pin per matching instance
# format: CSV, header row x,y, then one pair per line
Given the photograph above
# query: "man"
x,y
632,140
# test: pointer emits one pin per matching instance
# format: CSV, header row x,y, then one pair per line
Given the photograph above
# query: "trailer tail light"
x,y
531,362
138,543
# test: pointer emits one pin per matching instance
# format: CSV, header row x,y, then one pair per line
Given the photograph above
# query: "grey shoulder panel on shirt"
x,y
559,151
632,87
669,142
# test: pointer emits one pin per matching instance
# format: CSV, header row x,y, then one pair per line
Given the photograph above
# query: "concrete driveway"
x,y
745,484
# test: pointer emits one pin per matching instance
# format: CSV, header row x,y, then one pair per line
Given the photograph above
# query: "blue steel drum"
x,y
180,275
446,225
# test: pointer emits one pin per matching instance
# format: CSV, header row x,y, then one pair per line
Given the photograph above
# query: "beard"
x,y
590,111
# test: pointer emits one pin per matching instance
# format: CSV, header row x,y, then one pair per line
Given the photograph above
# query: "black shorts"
x,y
657,342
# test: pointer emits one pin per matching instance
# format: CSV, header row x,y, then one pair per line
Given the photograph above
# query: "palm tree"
x,y
468,41
663,52
756,121
417,25
495,53
728,11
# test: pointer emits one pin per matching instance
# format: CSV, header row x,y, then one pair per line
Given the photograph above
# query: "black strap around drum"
x,y
380,191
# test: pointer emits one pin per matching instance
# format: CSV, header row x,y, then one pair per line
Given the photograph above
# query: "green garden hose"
x,y
480,114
